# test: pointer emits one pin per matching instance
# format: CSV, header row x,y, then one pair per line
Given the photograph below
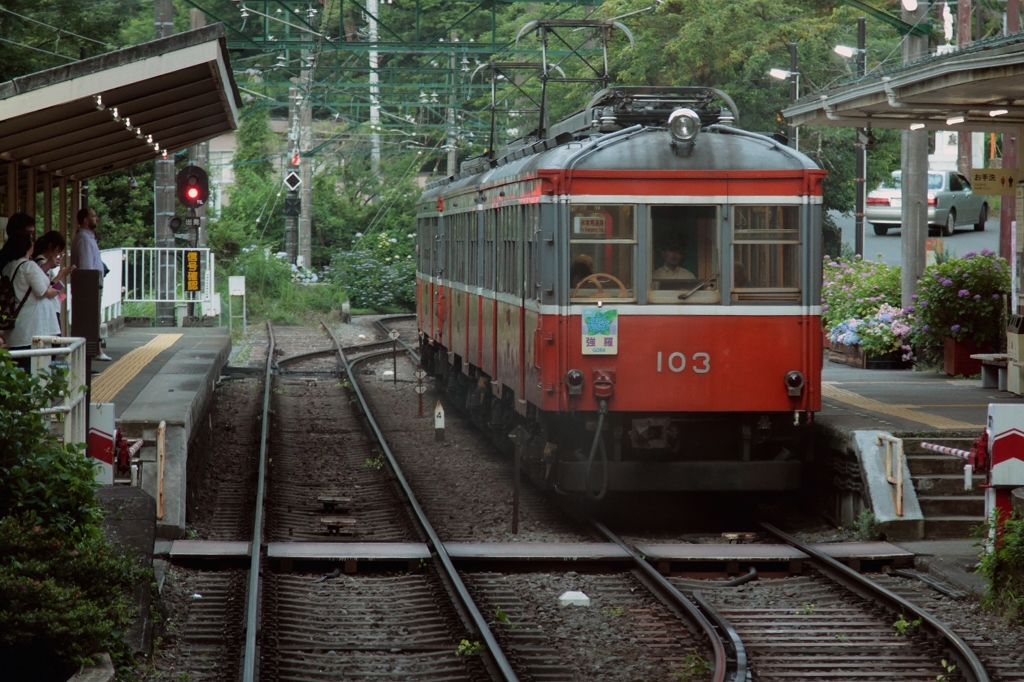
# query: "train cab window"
x,y
602,240
766,251
684,263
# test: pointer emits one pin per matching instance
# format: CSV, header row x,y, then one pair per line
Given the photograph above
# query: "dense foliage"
x,y
854,288
1004,569
64,589
379,272
962,299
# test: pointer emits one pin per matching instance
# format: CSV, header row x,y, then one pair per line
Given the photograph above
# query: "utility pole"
x,y
914,181
452,137
372,8
199,154
305,252
163,188
1011,159
964,153
794,92
861,145
291,221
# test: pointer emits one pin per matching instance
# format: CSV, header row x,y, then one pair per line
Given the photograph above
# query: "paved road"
x,y
963,240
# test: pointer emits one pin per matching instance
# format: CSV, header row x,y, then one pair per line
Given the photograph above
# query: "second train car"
x,y
635,297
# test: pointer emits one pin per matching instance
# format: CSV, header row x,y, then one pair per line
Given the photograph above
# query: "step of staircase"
x,y
939,506
949,510
945,484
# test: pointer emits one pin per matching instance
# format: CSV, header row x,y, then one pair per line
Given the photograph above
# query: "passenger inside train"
x,y
684,255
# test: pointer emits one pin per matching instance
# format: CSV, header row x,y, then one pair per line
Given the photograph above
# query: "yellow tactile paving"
x,y
114,378
913,413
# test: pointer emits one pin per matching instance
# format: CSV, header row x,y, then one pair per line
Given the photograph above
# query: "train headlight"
x,y
684,124
574,380
794,384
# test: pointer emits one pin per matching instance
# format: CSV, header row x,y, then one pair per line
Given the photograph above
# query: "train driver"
x,y
672,255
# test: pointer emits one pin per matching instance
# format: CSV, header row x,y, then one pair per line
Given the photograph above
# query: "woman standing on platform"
x,y
47,254
33,286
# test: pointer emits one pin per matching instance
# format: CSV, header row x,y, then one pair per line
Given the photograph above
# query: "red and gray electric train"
x,y
635,297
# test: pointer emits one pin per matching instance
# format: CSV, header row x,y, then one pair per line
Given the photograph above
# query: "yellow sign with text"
x,y
1002,181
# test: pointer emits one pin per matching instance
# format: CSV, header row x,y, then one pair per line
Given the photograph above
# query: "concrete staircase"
x,y
949,510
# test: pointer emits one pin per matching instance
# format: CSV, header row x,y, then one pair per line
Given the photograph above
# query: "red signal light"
x,y
192,193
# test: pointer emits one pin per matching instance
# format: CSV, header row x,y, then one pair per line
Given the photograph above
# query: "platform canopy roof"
x,y
972,83
110,111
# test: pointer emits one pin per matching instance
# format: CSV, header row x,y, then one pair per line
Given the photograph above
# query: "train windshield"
x,y
602,240
684,262
766,253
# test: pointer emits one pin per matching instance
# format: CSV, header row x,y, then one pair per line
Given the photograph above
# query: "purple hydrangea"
x,y
986,252
977,297
970,254
995,296
963,293
946,282
955,328
926,328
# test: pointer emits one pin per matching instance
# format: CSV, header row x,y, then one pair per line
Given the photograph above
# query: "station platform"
x,y
861,408
904,401
162,375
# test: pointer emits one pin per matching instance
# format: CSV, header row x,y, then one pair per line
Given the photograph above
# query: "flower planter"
x,y
854,356
956,357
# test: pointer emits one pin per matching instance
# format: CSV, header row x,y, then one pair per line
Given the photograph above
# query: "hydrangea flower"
x,y
963,293
955,328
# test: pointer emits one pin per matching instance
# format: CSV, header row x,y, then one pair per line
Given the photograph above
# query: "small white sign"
x,y
393,334
236,285
592,224
421,374
600,331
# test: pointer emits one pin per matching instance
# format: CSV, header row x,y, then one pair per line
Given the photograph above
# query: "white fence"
x,y
111,300
71,352
152,275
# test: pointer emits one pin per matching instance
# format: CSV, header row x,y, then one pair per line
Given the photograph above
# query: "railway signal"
x,y
193,186
393,335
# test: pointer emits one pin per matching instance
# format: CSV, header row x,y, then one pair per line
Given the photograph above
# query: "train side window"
x,y
685,263
766,253
602,242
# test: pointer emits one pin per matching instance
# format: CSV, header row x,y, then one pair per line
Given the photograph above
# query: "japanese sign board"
x,y
600,331
192,271
1001,181
592,224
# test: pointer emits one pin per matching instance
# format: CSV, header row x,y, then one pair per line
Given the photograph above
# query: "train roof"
x,y
640,147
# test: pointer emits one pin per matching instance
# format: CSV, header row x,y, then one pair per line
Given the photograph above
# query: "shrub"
x,y
380,273
963,299
65,597
853,288
886,331
62,586
1004,569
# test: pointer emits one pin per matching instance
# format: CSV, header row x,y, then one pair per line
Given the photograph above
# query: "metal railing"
x,y
167,275
46,351
894,464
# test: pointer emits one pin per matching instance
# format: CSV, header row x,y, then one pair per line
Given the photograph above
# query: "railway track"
x,y
321,617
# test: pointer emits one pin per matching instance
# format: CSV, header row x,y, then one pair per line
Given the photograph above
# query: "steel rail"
x,y
437,546
968,663
725,668
328,351
256,552
722,667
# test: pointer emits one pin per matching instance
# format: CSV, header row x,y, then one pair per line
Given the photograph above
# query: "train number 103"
x,y
676,362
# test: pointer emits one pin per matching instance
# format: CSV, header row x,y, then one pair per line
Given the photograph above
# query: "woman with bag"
x,y
33,291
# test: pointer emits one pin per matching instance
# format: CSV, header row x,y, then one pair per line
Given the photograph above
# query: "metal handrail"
x,y
74,404
894,463
967,661
437,547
